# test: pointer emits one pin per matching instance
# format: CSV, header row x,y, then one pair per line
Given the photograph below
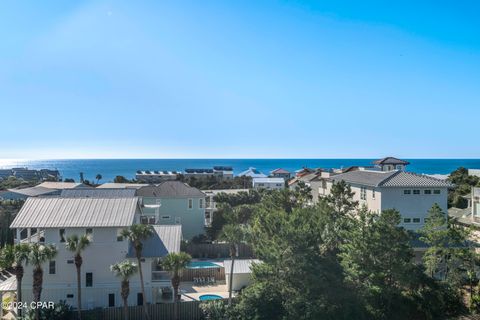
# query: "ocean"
x,y
109,168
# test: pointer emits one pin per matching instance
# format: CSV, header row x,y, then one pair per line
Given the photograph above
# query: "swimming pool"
x,y
202,265
209,297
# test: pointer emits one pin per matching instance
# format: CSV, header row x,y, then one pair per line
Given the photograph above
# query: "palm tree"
x,y
38,255
19,257
125,270
233,234
76,245
137,233
98,177
175,263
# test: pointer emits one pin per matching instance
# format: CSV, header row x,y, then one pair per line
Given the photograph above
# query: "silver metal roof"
x,y
166,239
98,193
56,212
62,185
170,189
34,191
240,265
113,185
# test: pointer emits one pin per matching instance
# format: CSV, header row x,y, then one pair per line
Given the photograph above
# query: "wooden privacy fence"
x,y
217,250
189,310
217,273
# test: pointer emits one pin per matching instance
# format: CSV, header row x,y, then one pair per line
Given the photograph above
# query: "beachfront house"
x,y
174,202
252,173
51,220
409,193
391,163
268,183
281,173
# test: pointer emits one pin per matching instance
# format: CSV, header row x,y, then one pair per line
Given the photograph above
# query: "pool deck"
x,y
191,292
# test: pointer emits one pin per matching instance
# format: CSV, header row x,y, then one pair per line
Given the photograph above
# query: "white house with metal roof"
x,y
409,193
51,220
242,272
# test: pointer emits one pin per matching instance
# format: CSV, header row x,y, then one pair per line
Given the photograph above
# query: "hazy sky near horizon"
x,y
249,79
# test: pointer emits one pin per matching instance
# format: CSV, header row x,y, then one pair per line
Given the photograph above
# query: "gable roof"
x,y
252,172
170,189
280,171
390,160
56,212
166,239
62,185
98,193
34,191
390,179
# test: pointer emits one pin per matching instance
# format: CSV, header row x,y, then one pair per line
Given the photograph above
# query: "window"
x,y
61,233
70,261
89,233
407,220
200,203
139,299
416,191
166,217
151,220
51,267
363,193
190,203
407,191
416,220
88,279
279,185
144,220
373,193
427,191
111,299
119,235
436,191
70,296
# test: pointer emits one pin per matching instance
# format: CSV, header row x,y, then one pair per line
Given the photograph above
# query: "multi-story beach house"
x,y
211,205
409,193
169,202
281,173
51,220
174,202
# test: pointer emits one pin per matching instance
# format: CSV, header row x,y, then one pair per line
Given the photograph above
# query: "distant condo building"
x,y
222,172
155,176
29,174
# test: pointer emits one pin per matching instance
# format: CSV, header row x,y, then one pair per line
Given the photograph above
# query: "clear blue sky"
x,y
136,79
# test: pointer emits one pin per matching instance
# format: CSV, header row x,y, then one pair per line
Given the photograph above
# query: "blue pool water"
x,y
202,265
209,297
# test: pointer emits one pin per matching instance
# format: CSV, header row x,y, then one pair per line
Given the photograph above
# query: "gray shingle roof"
x,y
170,189
98,193
56,212
409,179
166,239
390,179
391,160
364,177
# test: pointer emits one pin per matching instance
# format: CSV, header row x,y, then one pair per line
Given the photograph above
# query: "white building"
x,y
242,272
268,183
51,220
409,193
